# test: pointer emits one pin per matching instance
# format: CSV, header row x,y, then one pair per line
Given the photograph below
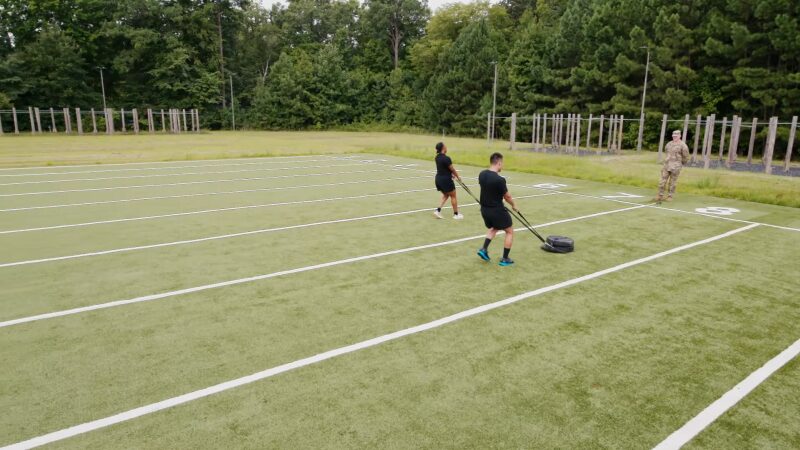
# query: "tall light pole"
x,y
103,87
644,95
233,110
494,98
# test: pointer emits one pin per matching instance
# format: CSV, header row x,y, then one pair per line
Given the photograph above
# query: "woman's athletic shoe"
x,y
458,216
506,262
484,254
437,214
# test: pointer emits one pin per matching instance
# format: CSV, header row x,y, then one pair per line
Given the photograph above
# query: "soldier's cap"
x,y
678,132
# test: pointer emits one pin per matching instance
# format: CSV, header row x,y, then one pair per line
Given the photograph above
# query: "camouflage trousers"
x,y
668,177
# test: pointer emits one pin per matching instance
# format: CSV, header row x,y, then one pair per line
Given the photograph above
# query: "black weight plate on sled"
x,y
559,244
560,241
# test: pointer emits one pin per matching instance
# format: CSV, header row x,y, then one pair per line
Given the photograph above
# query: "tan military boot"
x,y
657,198
669,199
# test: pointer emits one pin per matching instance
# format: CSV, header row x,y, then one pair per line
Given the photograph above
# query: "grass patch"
x,y
631,169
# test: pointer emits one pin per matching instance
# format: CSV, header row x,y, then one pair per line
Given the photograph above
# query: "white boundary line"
x,y
157,175
147,298
188,183
185,183
200,194
231,384
206,211
139,169
249,233
706,417
649,205
694,213
178,161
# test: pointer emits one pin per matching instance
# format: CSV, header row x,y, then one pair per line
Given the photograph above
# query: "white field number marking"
x,y
549,186
718,210
622,195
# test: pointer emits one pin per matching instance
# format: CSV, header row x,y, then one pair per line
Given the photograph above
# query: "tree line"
x,y
333,63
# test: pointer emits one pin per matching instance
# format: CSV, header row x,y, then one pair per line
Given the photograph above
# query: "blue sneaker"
x,y
506,262
484,254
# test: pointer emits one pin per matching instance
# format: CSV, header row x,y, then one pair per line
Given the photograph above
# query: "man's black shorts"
x,y
445,184
497,218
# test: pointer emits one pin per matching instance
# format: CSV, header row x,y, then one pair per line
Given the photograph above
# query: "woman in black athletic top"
x,y
445,172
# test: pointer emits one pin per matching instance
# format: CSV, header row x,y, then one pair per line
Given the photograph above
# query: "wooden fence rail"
x,y
718,136
60,120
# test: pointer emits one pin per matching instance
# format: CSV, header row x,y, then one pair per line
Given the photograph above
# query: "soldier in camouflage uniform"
x,y
677,154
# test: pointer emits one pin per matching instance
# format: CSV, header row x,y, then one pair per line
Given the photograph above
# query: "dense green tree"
x,y
327,63
463,82
5,101
258,45
395,22
48,71
286,100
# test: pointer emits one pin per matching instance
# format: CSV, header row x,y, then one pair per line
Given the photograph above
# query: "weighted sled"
x,y
559,244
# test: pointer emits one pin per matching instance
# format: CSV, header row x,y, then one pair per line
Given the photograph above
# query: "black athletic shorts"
x,y
445,184
497,218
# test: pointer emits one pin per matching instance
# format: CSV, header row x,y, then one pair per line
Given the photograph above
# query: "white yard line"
x,y
206,287
248,233
730,219
181,174
200,194
238,382
663,208
139,169
207,211
186,183
163,162
706,417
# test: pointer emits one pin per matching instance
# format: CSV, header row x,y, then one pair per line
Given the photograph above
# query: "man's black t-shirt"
x,y
443,163
493,188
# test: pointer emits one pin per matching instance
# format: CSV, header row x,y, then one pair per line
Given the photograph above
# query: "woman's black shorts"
x,y
445,184
497,218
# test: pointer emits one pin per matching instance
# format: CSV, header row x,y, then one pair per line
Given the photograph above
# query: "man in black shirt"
x,y
445,172
495,215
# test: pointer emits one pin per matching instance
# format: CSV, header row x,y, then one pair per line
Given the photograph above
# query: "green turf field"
x,y
315,302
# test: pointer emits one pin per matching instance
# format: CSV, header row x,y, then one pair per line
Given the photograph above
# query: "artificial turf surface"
x,y
618,361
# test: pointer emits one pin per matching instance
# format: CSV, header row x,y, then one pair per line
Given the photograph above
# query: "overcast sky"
x,y
433,4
